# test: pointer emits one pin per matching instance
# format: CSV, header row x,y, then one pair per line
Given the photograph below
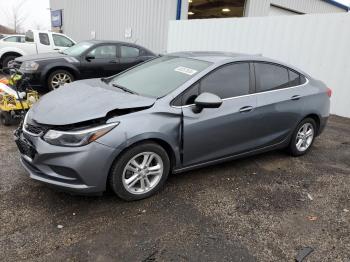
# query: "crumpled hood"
x,y
82,101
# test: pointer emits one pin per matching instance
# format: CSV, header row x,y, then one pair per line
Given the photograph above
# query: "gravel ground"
x,y
254,209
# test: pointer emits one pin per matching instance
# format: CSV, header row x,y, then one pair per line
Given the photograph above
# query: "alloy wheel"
x,y
305,137
60,79
143,173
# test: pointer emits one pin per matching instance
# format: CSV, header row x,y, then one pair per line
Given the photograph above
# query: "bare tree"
x,y
17,15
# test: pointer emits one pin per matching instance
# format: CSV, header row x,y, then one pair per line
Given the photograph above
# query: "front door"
x,y
101,61
230,129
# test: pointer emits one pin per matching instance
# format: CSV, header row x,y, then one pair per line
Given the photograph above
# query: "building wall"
x,y
317,44
262,7
148,19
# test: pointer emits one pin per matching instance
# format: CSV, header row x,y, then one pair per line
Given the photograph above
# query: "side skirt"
x,y
279,145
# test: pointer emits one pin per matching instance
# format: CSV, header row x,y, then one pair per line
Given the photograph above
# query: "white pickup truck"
x,y
35,42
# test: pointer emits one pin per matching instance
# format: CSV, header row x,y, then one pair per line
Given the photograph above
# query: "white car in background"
x,y
35,42
13,39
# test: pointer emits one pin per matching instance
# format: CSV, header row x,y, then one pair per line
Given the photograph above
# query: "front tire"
x,y
303,137
140,171
7,60
58,78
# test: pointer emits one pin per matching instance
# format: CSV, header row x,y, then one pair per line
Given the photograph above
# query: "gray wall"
x,y
148,19
262,7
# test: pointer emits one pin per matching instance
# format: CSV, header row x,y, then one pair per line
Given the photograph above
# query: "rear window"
x,y
44,39
270,77
29,36
129,51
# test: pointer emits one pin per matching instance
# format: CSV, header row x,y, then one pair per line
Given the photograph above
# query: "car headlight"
x,y
77,138
29,66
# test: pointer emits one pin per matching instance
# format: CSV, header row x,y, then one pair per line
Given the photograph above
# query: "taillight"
x,y
329,92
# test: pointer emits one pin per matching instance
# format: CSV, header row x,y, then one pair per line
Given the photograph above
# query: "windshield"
x,y
159,76
77,49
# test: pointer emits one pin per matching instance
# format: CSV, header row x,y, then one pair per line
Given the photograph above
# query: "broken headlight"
x,y
79,137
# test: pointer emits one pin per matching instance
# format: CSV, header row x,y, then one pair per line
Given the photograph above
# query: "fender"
x,y
161,137
7,50
51,66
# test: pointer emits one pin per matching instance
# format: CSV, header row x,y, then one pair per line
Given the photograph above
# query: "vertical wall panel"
x,y
318,44
148,20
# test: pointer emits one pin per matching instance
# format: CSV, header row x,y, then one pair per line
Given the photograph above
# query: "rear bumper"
x,y
323,123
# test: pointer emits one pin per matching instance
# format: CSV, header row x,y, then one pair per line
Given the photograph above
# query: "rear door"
x,y
279,102
100,61
129,56
224,131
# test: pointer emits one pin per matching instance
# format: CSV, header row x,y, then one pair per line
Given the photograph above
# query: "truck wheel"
x,y
7,60
58,78
5,118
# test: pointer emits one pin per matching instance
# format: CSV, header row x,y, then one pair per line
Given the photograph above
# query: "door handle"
x,y
246,109
296,97
57,49
113,62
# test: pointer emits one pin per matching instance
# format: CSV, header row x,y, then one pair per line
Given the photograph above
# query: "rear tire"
x,y
132,180
303,137
58,78
5,118
7,59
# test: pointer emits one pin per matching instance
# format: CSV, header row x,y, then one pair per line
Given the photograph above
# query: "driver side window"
x,y
228,81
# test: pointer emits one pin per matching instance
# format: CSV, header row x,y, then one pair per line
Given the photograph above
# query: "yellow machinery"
x,y
14,100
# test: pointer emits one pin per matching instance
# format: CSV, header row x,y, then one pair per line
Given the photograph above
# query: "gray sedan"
x,y
172,114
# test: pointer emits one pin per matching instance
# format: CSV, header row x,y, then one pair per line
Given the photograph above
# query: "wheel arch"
x,y
316,118
47,72
9,53
161,142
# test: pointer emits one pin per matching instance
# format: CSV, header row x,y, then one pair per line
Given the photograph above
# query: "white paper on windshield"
x,y
185,70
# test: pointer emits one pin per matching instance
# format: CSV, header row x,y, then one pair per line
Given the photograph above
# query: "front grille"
x,y
36,130
25,148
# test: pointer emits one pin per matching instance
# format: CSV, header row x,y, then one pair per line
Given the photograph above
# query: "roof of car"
x,y
218,57
110,41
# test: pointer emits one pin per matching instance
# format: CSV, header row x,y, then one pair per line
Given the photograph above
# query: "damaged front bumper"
x,y
75,169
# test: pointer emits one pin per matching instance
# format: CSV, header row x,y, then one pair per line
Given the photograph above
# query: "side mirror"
x,y
207,100
89,57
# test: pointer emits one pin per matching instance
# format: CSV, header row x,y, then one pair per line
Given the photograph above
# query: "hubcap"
x,y
142,173
60,79
304,137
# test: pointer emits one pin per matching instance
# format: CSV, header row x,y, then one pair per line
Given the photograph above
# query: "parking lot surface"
x,y
262,208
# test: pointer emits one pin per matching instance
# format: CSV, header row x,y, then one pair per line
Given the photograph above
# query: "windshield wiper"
x,y
125,89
